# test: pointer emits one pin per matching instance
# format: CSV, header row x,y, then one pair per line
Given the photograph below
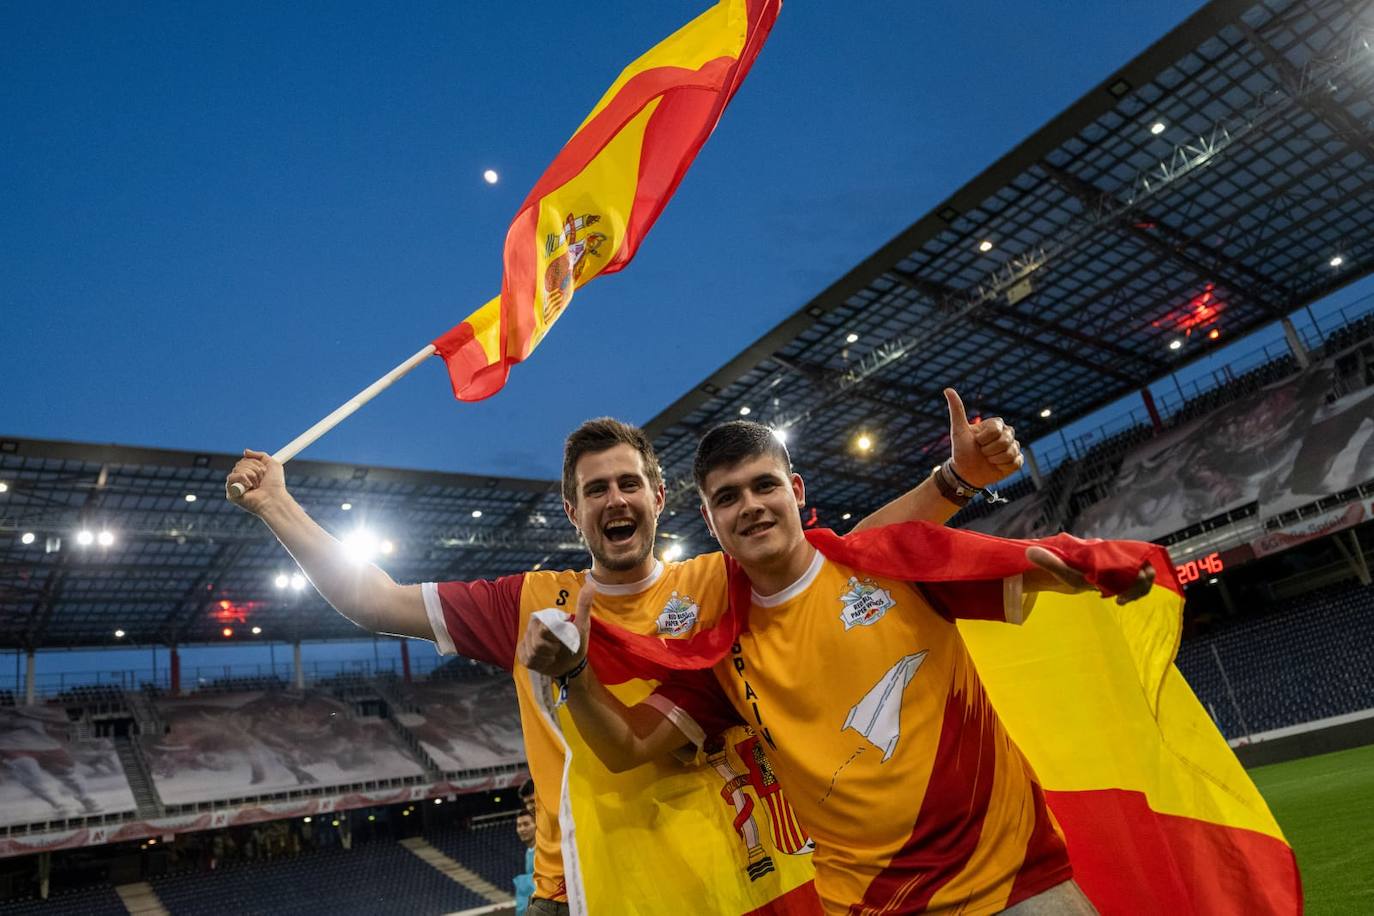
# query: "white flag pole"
x,y
344,411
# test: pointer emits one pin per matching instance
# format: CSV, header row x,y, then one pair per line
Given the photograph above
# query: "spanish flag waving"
x,y
588,212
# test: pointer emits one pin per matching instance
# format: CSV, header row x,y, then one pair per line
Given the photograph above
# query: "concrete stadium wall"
x,y
1339,733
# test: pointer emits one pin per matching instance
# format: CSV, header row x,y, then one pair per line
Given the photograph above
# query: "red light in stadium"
x,y
226,632
1214,333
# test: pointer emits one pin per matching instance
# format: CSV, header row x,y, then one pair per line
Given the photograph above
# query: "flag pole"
x,y
344,411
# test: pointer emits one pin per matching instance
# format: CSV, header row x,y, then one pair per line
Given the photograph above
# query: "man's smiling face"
x,y
751,507
616,509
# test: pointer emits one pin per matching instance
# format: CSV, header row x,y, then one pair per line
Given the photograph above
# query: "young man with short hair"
x,y
867,701
613,493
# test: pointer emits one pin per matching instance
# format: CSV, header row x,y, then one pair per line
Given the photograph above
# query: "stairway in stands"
x,y
141,900
140,780
452,869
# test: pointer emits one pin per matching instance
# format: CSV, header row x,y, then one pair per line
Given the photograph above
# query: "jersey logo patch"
x,y
864,603
679,615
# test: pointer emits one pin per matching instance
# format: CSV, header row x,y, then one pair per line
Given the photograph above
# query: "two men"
x,y
613,493
860,684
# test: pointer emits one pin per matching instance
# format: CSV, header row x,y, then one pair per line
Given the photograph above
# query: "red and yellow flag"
x,y
588,212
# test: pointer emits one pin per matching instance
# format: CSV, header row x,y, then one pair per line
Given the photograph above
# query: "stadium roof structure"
x,y
1221,180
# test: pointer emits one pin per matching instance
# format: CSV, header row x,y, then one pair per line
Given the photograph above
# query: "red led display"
x,y
1193,570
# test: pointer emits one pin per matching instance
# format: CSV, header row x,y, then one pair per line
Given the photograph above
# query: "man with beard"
x,y
613,493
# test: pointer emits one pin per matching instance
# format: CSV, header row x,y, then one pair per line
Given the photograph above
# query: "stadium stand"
x,y
87,901
1307,660
48,774
492,849
377,877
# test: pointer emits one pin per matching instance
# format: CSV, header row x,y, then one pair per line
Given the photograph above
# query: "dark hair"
x,y
730,443
527,788
599,435
522,813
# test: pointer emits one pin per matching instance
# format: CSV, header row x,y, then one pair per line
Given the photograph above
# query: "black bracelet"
x,y
990,495
948,489
563,679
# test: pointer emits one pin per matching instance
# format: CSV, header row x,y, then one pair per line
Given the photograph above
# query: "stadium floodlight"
x,y
1157,128
361,545
27,537
85,537
346,506
226,632
744,411
1175,344
190,497
852,338
372,817
476,513
334,823
1045,414
297,582
1336,261
845,517
490,176
119,634
864,442
4,487
282,580
257,631
673,552
104,539
985,246
306,819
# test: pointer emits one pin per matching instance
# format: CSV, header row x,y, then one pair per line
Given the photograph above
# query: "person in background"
x,y
524,882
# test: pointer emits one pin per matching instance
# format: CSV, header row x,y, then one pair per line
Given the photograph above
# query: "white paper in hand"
x,y
561,626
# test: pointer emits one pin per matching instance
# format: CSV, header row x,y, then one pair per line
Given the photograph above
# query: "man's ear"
x,y
571,512
706,517
799,490
660,500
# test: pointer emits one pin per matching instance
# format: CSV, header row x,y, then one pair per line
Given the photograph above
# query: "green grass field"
x,y
1325,806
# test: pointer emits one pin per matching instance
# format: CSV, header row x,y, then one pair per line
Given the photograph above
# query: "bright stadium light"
x,y
1175,344
852,338
1336,261
27,538
744,411
104,539
490,176
1044,414
85,538
345,506
119,634
673,552
306,819
297,582
1157,128
4,487
282,580
846,516
226,632
190,497
476,513
257,631
361,545
985,246
864,442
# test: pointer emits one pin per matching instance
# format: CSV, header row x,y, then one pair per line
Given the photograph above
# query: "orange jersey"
x,y
893,758
716,836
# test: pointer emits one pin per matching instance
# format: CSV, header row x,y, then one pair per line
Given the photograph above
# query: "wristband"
x,y
965,489
563,679
948,489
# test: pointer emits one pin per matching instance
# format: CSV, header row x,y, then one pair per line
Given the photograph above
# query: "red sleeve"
x,y
696,704
478,619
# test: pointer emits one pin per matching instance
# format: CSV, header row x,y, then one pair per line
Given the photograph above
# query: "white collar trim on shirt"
x,y
630,588
793,590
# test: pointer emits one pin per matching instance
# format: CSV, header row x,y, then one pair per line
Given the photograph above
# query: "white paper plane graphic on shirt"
x,y
878,716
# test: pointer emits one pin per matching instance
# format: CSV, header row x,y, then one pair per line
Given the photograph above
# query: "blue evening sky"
x,y
221,220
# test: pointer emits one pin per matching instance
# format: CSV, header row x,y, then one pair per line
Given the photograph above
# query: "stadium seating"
x,y
89,901
491,850
379,877
1307,660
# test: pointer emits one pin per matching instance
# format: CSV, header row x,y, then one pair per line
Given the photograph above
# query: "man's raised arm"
x,y
363,592
980,454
